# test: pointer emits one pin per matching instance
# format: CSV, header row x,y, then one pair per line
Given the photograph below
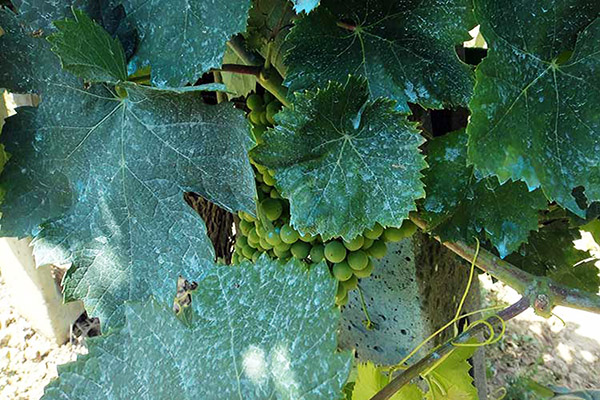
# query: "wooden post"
x,y
34,292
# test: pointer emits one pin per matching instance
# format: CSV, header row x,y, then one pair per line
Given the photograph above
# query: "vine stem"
x,y
268,78
435,356
543,292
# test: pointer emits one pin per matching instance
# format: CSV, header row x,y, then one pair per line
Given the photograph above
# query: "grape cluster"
x,y
270,232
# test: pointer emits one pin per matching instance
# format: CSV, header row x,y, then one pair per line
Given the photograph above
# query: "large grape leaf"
x,y
106,176
344,161
461,206
41,14
264,331
550,252
182,39
535,109
405,49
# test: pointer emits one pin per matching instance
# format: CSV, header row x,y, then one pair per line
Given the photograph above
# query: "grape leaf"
x,y
106,176
461,206
253,336
550,252
269,23
535,106
305,5
344,161
371,380
404,49
72,44
452,374
183,39
236,84
41,14
593,227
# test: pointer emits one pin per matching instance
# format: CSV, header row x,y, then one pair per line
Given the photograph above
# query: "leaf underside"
x,y
535,108
252,336
404,49
344,161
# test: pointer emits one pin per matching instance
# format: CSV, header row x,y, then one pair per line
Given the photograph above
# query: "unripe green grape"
x,y
246,217
288,234
341,290
264,244
261,232
260,168
254,117
269,180
259,178
253,243
367,244
273,237
254,101
396,234
307,237
365,272
282,254
241,241
263,118
274,194
283,246
258,132
265,188
355,243
247,251
335,252
341,301
351,283
357,260
255,256
342,271
245,227
272,208
374,232
378,249
300,250
253,236
272,109
317,253
234,258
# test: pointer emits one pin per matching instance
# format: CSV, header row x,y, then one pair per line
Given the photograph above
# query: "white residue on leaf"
x,y
254,364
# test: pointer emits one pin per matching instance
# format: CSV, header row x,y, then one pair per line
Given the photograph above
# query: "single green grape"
x,y
273,237
317,253
245,227
355,243
265,188
396,234
254,101
274,194
283,246
341,301
335,252
259,178
272,208
288,234
246,217
351,283
263,118
365,272
342,271
269,180
253,243
358,260
300,250
282,254
264,244
255,117
260,229
367,244
378,249
253,236
260,168
374,232
235,258
247,251
241,241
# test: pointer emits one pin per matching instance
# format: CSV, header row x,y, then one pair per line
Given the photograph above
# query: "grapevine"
x,y
315,139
